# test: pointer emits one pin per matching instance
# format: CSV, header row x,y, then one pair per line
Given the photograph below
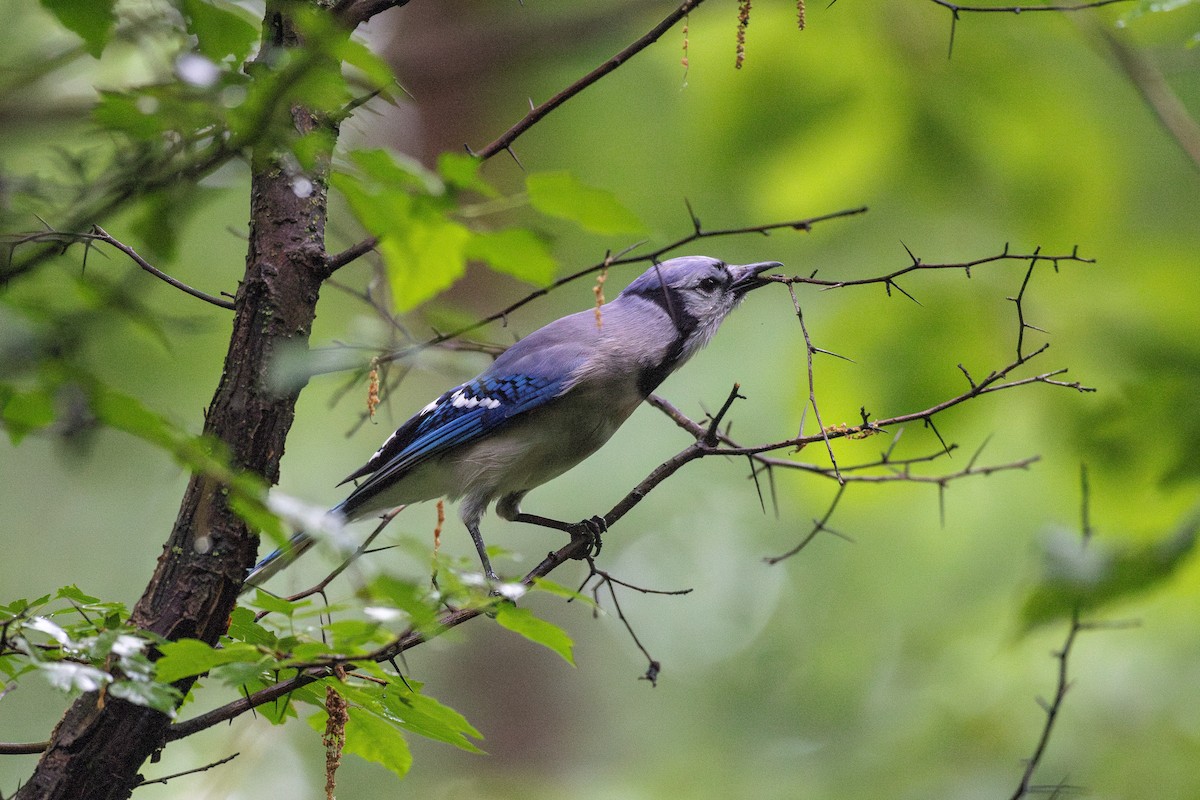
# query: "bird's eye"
x,y
708,284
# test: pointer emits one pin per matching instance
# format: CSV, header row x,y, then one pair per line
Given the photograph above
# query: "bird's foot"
x,y
589,531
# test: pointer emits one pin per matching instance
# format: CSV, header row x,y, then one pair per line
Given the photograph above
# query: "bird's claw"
x,y
589,531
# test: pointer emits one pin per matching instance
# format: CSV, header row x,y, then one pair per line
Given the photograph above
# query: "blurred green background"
x,y
892,665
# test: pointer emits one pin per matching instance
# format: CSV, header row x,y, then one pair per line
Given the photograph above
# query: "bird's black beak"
x,y
745,276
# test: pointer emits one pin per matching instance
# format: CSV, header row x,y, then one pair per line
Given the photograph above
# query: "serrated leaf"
x,y
186,657
517,252
547,634
560,194
424,261
75,595
351,633
278,605
424,716
69,676
222,29
244,628
372,738
240,673
414,600
92,20
423,251
151,694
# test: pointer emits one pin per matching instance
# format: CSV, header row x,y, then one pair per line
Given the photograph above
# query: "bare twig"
x,y
98,234
955,10
22,748
1053,708
889,280
505,141
352,253
653,666
205,768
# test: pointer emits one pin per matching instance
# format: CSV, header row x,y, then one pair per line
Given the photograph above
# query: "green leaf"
x,y
423,262
69,676
76,596
522,621
557,589
159,696
1084,577
356,54
423,252
410,598
462,172
222,29
351,633
424,716
187,657
93,20
560,194
515,251
24,412
370,737
395,171
244,628
278,605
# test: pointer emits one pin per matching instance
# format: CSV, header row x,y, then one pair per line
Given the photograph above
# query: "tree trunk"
x,y
100,744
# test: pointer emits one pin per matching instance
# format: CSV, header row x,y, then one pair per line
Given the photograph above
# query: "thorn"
x,y
508,149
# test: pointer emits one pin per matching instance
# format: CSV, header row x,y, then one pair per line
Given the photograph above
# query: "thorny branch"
x,y
956,9
1063,684
98,234
578,548
536,113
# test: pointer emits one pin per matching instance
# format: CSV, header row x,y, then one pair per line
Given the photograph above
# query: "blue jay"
x,y
546,404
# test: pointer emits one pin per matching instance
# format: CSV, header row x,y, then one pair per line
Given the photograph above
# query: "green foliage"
x,y
372,738
92,20
187,657
522,621
520,253
79,643
424,244
1087,576
560,194
222,29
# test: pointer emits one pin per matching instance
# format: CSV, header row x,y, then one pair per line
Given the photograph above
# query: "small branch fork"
x,y
579,547
605,580
956,9
536,113
1053,708
98,234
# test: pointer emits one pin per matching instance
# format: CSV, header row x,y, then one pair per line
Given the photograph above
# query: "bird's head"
x,y
697,293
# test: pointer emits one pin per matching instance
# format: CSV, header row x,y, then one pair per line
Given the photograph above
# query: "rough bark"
x,y
100,744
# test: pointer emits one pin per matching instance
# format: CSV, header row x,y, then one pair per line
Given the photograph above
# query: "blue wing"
x,y
460,416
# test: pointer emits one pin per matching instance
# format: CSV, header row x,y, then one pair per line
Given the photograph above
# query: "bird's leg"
x,y
473,528
588,530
